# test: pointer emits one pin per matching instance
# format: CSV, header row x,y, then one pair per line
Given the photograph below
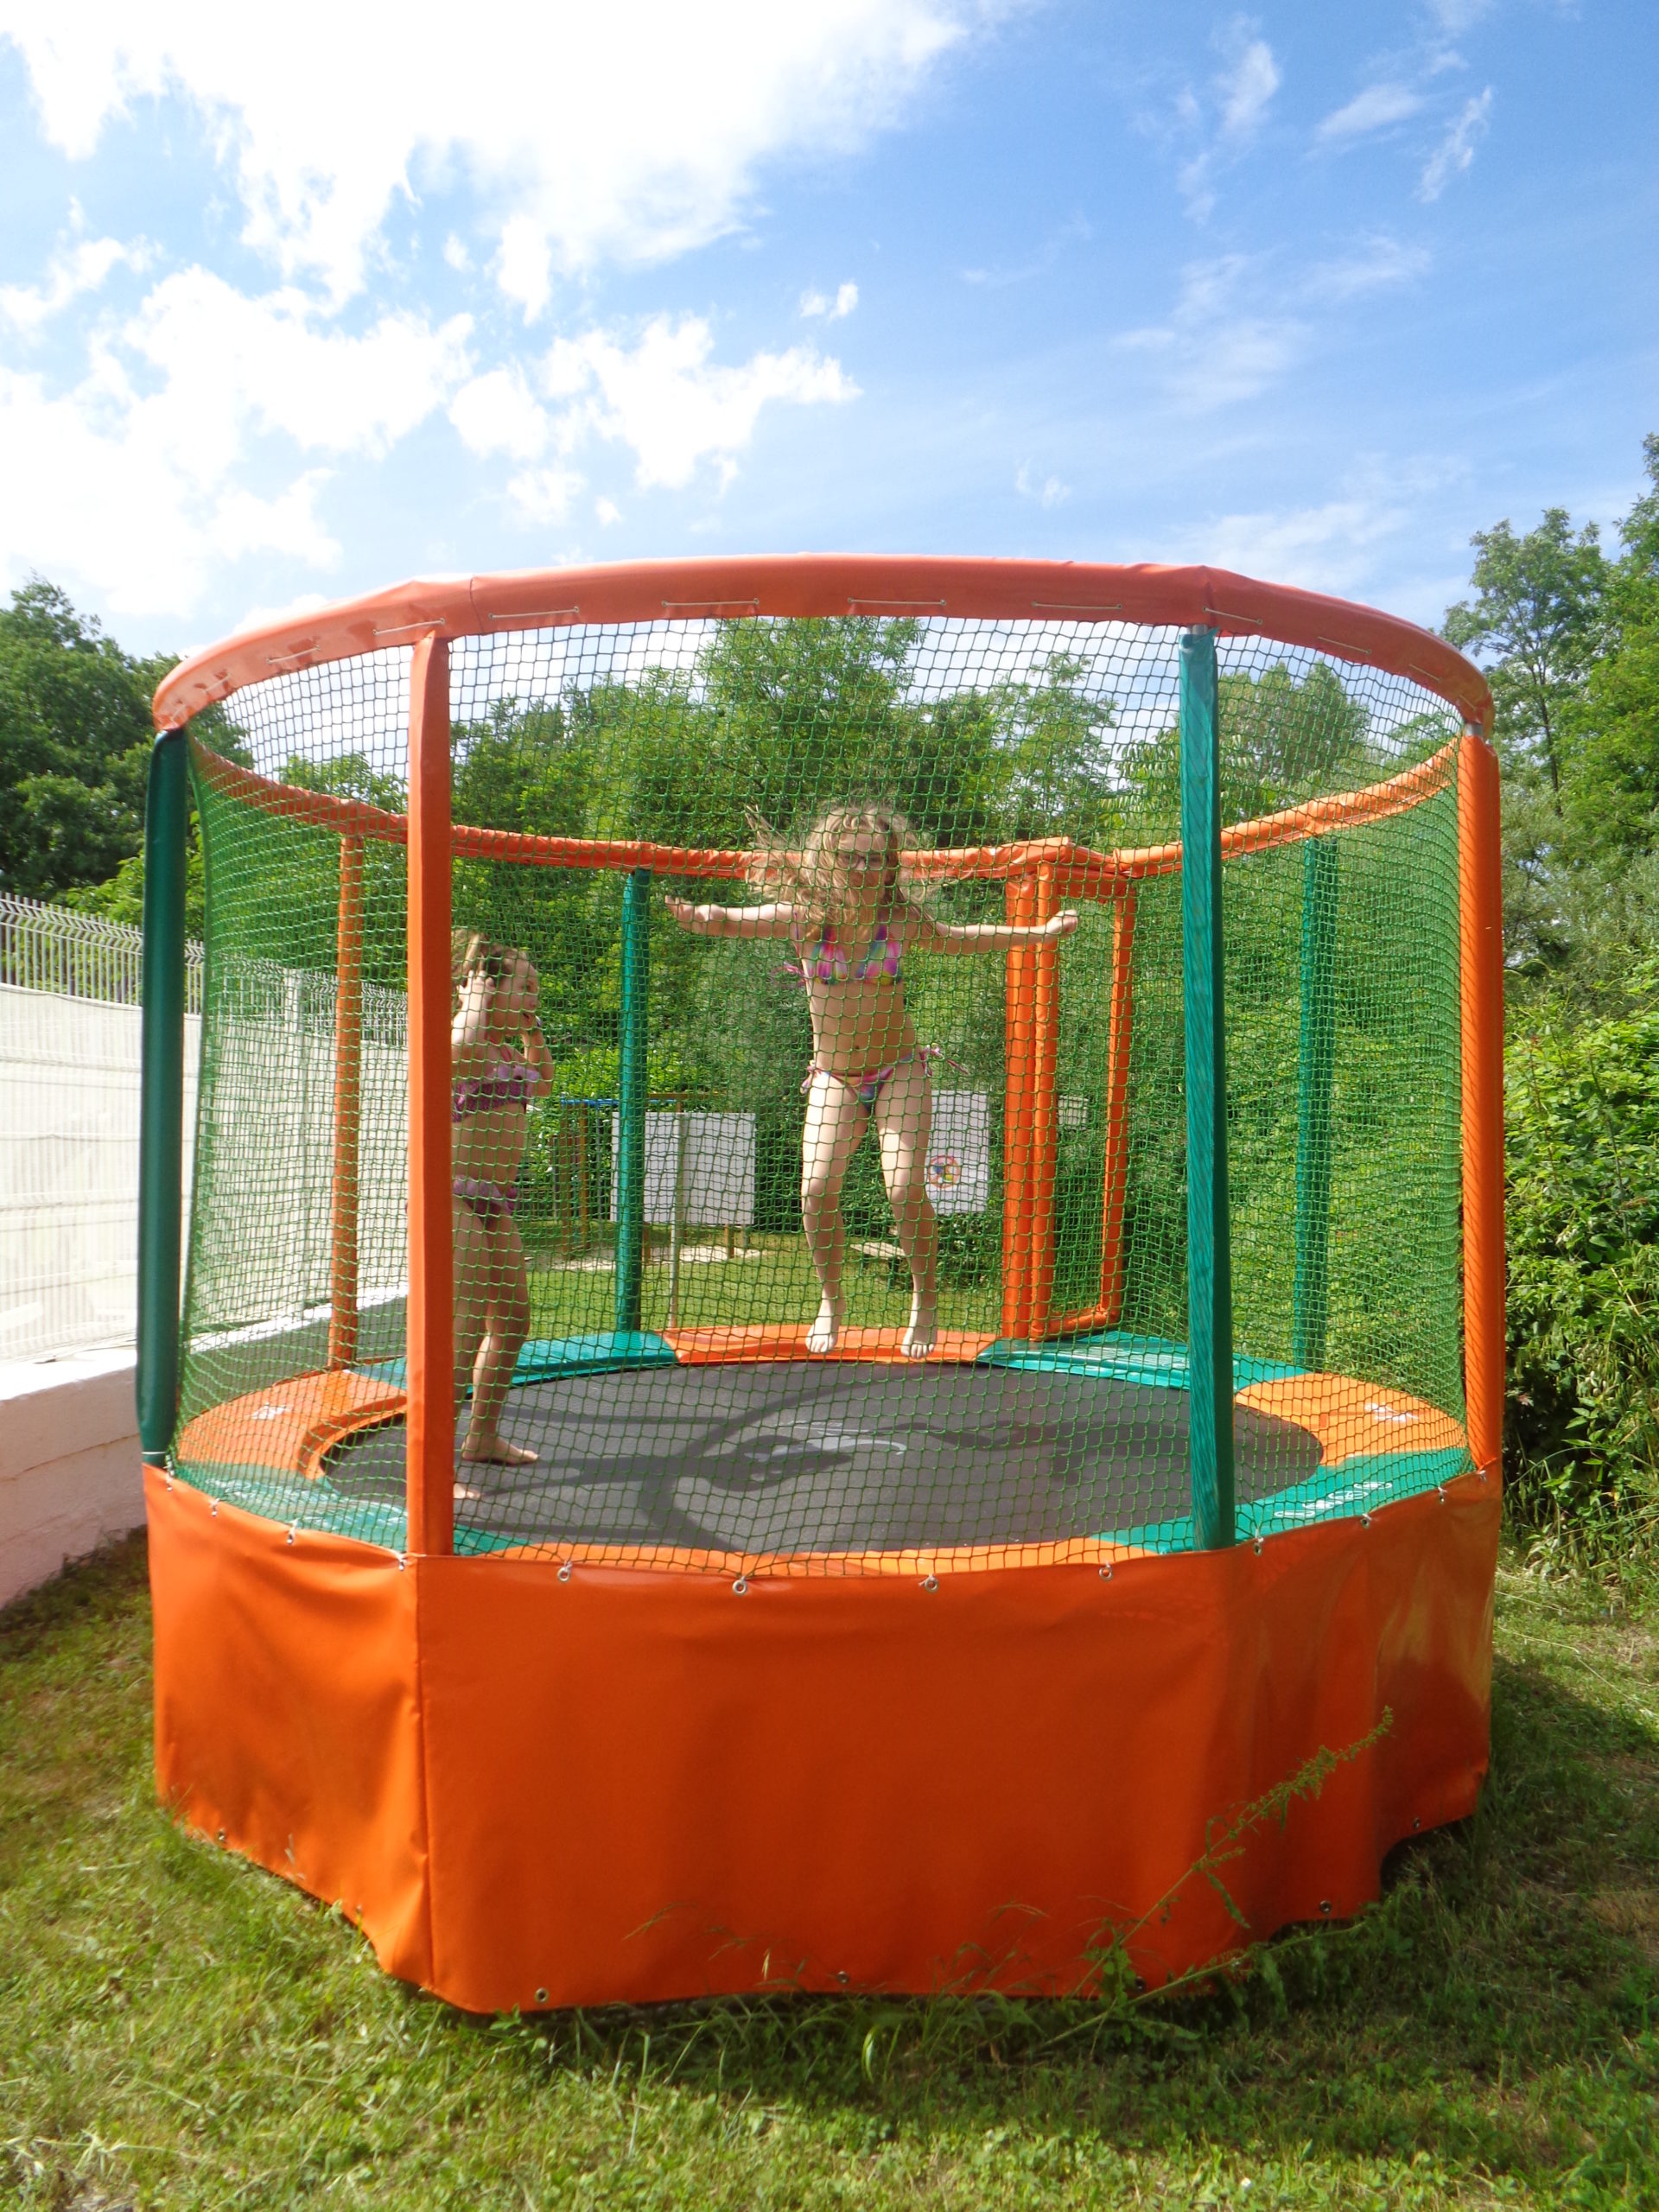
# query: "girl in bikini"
x,y
867,1065
495,998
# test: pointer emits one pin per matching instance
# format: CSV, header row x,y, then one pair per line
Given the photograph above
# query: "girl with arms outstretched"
x,y
849,926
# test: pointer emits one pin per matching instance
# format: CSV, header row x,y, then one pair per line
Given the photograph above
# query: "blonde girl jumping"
x,y
850,925
495,999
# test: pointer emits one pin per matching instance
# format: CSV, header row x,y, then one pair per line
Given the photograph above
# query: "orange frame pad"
x,y
292,1425
730,1342
1350,1418
638,1786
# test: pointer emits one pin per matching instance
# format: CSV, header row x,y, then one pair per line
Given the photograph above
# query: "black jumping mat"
x,y
815,1456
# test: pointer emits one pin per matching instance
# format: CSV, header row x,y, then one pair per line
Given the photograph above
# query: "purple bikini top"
x,y
827,961
509,1083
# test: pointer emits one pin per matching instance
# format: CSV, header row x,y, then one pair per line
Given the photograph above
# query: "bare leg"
x,y
507,1325
834,1122
904,1122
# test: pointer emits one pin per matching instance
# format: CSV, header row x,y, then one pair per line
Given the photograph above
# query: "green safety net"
x,y
731,1140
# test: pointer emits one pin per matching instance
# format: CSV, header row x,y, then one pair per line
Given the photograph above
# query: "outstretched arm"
x,y
731,921
932,936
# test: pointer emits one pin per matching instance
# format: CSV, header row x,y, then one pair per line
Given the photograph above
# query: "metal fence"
x,y
70,991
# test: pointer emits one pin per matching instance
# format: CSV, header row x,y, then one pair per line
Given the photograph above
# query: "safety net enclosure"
x,y
845,1266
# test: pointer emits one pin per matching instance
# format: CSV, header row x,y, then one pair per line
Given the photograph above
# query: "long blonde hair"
x,y
471,952
804,874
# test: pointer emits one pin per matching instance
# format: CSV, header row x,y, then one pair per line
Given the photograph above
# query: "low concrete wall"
x,y
70,1473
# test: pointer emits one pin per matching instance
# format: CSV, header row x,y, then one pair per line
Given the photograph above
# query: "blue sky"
x,y
1312,292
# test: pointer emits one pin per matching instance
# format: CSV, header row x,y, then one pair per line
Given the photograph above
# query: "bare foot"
x,y
823,1333
922,1335
467,1494
496,1453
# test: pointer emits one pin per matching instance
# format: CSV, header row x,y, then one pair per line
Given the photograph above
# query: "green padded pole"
x,y
161,1112
633,1084
1208,1251
1315,1067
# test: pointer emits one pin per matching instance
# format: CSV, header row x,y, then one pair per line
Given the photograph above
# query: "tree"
x,y
1614,803
1540,610
75,735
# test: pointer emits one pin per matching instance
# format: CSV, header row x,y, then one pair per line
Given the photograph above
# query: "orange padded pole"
x,y
349,1104
1120,1025
1045,1113
1019,1057
1481,918
429,1465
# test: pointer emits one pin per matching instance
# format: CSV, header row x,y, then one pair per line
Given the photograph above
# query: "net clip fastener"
x,y
1076,607
564,1570
930,1582
672,607
434,627
521,617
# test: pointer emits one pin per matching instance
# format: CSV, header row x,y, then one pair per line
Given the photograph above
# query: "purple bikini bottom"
x,y
488,1200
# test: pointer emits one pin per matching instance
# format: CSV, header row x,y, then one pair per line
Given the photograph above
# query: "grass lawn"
x,y
177,2029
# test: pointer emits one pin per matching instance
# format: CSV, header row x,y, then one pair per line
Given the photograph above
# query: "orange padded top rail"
x,y
826,585
289,1427
1079,873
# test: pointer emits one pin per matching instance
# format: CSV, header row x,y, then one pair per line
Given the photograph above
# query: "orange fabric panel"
x,y
286,1716
724,1342
1020,1111
1481,946
1119,1041
648,1786
1350,1417
292,1425
641,1786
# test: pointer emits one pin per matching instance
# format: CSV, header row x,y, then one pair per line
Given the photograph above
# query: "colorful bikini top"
x,y
827,961
509,1083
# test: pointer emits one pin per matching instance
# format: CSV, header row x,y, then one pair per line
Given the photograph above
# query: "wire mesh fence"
x,y
71,987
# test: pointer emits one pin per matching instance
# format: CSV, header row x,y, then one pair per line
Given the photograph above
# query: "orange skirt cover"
x,y
632,1784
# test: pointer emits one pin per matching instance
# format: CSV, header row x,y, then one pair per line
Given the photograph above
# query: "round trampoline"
x,y
843,1282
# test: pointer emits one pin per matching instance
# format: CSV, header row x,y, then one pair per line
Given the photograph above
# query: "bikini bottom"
x,y
488,1200
868,1087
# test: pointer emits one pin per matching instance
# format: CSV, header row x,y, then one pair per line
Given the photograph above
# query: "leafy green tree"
x,y
1537,622
1613,805
1282,740
75,735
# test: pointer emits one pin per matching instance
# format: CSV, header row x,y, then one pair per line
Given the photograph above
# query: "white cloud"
x,y
83,267
628,132
817,303
1373,109
497,413
1221,345
608,511
455,254
1380,263
543,495
1250,86
192,437
671,403
524,267
1243,91
1324,548
1050,493
1456,151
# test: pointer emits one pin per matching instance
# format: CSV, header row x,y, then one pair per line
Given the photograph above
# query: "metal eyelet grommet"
x,y
564,1571
1255,1545
541,1997
1324,1906
1364,1520
741,1587
1106,1572
930,1582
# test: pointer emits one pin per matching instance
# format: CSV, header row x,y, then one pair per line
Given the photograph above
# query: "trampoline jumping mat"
x,y
810,1456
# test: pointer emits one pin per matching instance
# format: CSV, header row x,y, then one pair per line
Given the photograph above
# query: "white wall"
x,y
69,1071
70,1472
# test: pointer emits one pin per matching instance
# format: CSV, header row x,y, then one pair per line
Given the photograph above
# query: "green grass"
x,y
177,2029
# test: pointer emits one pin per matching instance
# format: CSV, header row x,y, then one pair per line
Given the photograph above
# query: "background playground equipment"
x,y
848,1671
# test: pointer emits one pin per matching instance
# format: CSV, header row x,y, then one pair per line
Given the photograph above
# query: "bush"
x,y
1583,1222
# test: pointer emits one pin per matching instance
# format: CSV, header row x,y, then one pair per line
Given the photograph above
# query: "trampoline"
x,y
1153,1457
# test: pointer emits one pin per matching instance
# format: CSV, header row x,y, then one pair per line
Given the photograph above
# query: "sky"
x,y
294,305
